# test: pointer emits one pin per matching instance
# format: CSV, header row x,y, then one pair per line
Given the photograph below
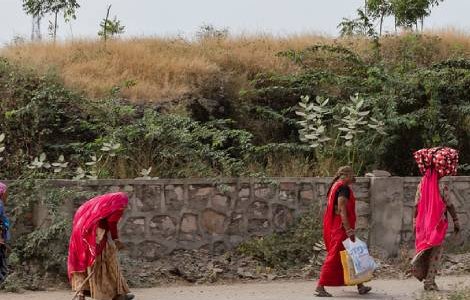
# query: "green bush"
x,y
289,249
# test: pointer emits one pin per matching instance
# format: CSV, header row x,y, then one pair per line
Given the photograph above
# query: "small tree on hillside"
x,y
110,28
40,8
408,12
209,31
356,27
379,9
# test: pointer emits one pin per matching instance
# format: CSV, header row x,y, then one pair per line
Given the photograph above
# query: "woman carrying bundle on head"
x,y
93,266
338,225
431,208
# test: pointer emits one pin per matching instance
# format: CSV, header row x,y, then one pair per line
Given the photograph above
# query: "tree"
x,y
408,12
359,26
40,8
110,27
379,9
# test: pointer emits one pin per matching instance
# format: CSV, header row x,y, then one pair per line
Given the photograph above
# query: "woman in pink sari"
x,y
431,208
93,266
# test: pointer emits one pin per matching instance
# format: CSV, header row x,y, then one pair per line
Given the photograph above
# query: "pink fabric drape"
x,y
83,248
3,188
431,223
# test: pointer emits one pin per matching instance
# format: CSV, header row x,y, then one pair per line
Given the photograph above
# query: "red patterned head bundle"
x,y
444,160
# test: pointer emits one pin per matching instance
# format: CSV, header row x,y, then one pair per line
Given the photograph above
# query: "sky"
x,y
183,17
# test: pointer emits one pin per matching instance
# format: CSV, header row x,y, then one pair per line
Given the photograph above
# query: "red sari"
x,y
334,234
83,247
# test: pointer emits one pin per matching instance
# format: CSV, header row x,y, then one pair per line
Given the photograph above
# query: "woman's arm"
x,y
415,212
113,221
344,217
451,209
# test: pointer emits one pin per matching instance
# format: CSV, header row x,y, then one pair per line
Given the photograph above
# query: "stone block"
x,y
151,250
244,192
282,217
162,226
134,226
259,226
322,189
264,192
362,223
387,211
189,224
288,186
408,217
235,226
259,209
242,203
199,196
362,208
148,198
289,196
220,202
213,222
174,198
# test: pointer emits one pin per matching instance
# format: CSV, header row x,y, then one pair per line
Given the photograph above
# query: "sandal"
x,y
322,293
124,297
364,290
431,287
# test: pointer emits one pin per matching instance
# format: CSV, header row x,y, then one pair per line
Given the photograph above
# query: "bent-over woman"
x,y
93,265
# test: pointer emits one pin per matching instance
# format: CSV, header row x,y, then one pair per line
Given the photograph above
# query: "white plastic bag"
x,y
359,254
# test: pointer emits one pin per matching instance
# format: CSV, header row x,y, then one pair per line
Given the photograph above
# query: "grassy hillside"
x,y
227,106
161,69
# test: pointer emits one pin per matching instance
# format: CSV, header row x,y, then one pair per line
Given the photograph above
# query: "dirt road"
x,y
277,290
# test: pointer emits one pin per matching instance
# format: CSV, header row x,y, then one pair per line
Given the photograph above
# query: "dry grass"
x,y
165,68
161,68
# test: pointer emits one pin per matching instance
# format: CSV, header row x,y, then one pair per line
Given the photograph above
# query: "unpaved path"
x,y
276,290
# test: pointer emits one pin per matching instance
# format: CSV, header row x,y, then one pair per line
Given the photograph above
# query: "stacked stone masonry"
x,y
169,215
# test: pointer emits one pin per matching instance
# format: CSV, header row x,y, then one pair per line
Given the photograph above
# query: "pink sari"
x,y
431,222
83,248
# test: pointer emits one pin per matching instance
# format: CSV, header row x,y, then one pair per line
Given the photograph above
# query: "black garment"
x,y
3,263
343,191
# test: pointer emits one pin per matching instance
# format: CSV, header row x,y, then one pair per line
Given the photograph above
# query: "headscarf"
x,y
340,174
83,248
3,189
431,223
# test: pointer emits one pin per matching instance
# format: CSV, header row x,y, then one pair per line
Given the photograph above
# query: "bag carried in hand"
x,y
358,265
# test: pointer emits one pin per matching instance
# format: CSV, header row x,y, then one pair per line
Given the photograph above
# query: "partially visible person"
x,y
4,232
93,265
432,207
338,225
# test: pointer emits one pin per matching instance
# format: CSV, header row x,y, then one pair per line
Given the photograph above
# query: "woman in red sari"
x,y
338,225
93,266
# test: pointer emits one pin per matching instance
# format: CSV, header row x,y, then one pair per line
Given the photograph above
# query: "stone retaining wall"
x,y
167,215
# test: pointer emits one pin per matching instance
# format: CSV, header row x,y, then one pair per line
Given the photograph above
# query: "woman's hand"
x,y
119,245
351,234
456,227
